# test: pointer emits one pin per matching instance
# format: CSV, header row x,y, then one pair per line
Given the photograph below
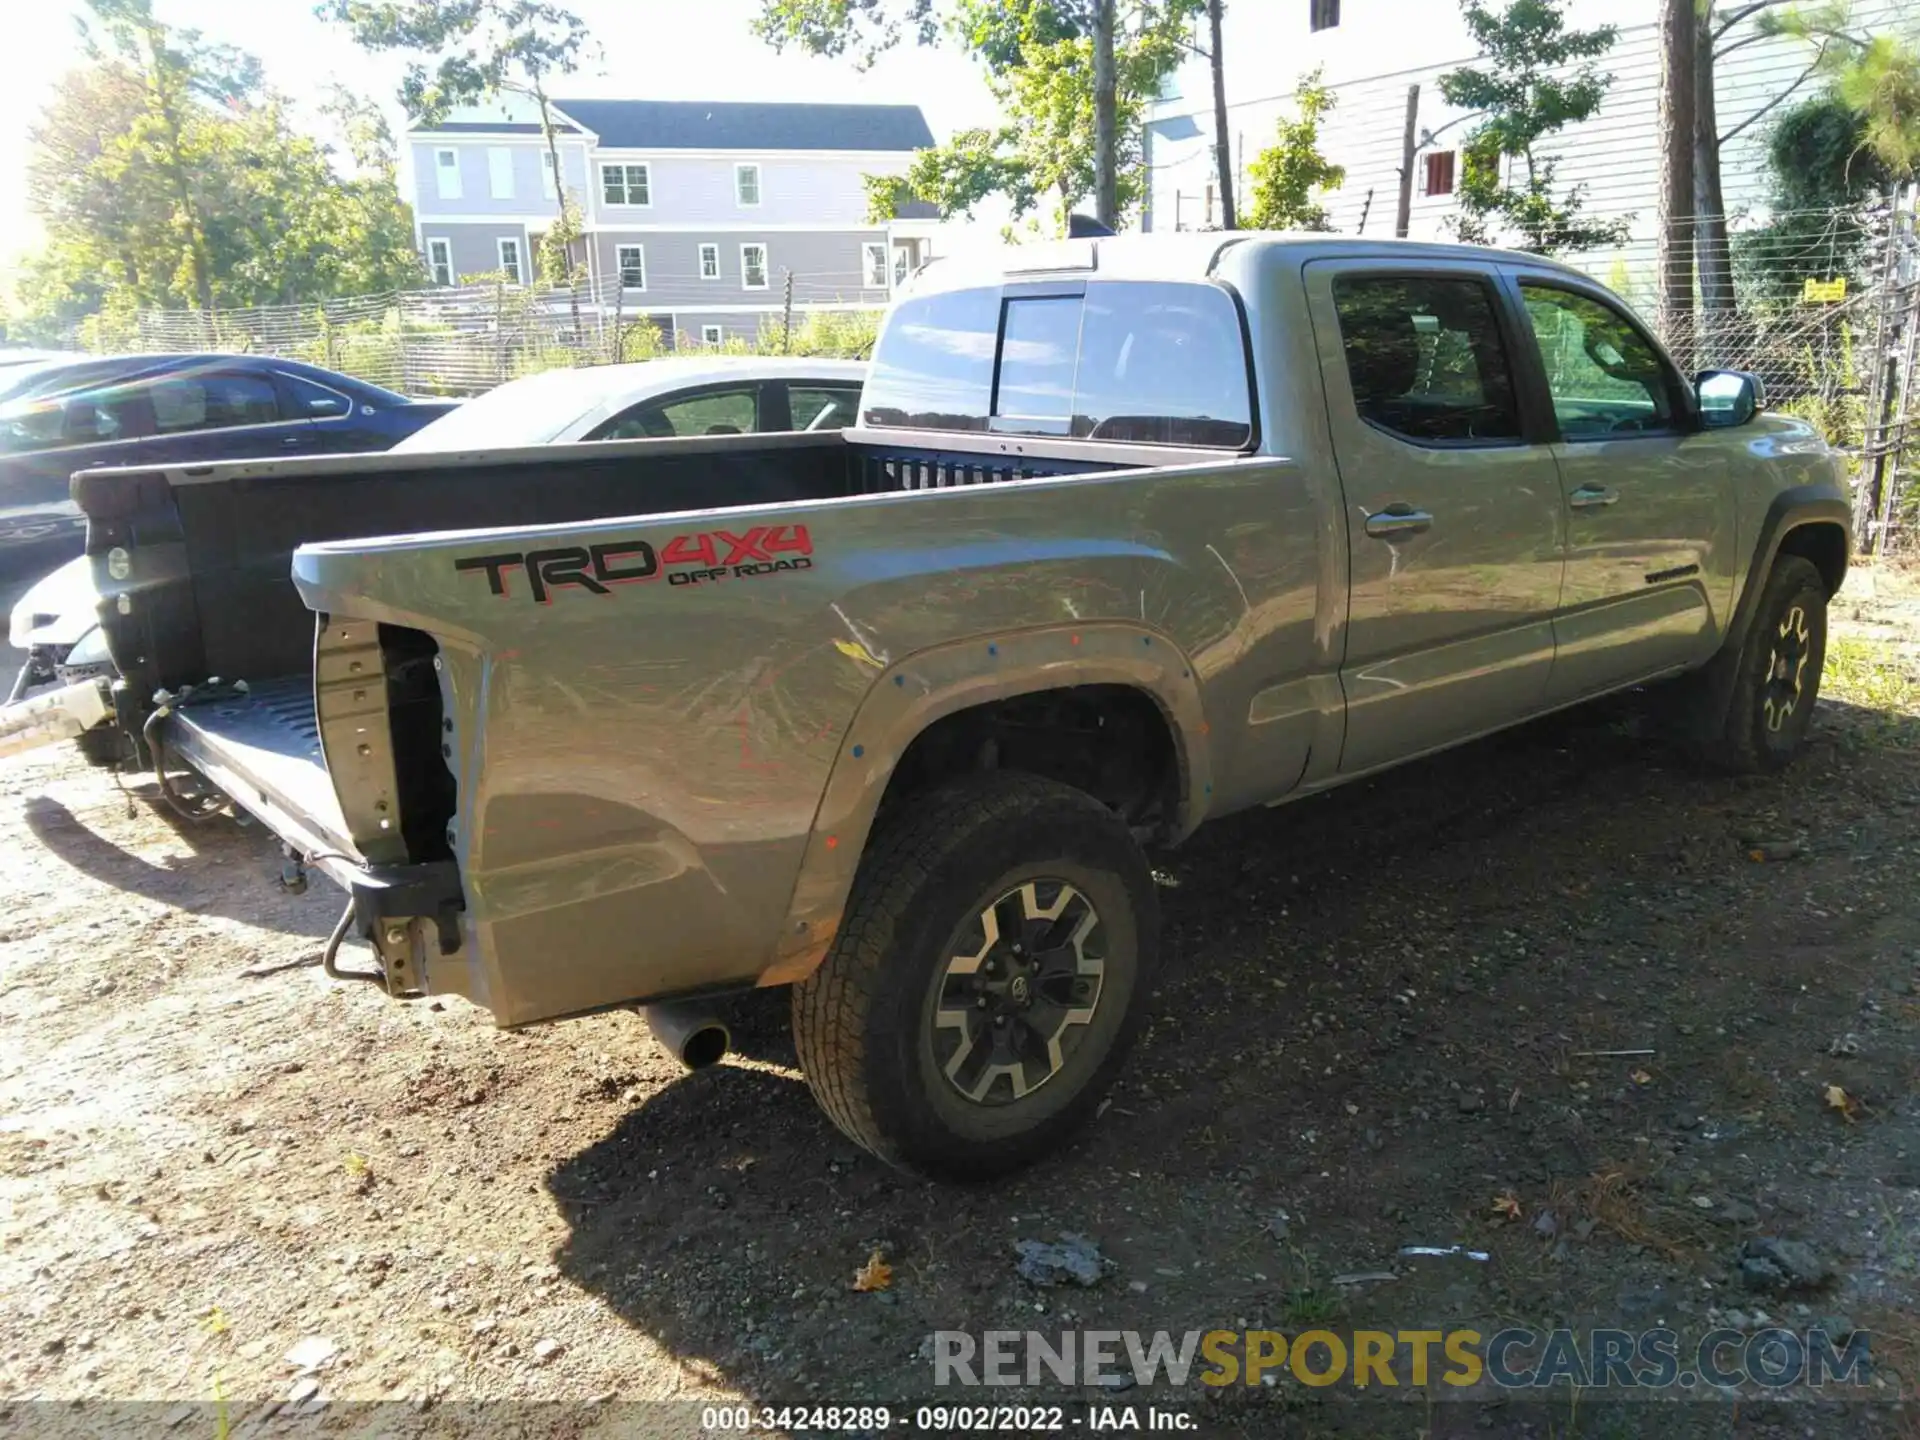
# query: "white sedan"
x,y
700,395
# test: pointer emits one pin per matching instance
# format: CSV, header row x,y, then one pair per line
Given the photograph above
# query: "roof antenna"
x,y
1085,227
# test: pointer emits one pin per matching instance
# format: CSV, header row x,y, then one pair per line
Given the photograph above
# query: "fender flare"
x,y
914,692
1791,509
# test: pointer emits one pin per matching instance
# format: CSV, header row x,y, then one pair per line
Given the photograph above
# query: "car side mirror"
x,y
1728,397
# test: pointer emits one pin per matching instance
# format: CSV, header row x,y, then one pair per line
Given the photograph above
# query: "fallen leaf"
x,y
1507,1206
1641,1077
1849,1106
876,1274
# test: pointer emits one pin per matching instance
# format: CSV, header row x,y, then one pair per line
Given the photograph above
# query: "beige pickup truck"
x,y
1132,533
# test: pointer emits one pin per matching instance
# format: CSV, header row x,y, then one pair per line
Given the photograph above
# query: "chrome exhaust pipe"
x,y
690,1032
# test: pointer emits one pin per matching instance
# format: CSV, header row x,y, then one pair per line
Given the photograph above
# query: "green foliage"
x,y
476,48
862,28
1038,59
1819,156
1821,170
165,175
1882,83
1288,173
1880,80
1832,399
1535,78
1876,76
886,194
835,334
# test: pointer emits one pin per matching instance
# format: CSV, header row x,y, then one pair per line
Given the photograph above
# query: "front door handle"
x,y
1398,520
1591,497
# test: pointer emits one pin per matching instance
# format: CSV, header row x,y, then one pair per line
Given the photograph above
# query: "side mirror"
x,y
1728,397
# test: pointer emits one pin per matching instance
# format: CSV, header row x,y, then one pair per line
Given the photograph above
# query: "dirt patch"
x,y
1385,1010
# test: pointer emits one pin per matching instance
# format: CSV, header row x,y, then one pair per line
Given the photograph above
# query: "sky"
x,y
653,49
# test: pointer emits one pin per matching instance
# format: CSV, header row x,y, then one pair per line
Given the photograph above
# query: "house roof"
x,y
748,125
490,127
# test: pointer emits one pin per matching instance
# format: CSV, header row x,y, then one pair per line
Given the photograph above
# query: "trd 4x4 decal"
x,y
712,554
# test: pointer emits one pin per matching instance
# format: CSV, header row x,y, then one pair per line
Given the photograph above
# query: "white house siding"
x,y
476,247
529,198
1383,46
826,268
795,188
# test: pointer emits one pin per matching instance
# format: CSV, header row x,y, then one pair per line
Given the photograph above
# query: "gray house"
x,y
699,215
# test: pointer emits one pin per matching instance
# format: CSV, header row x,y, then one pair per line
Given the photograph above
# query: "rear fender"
x,y
914,693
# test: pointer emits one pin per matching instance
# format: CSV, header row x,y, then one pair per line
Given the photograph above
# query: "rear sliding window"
x,y
1143,361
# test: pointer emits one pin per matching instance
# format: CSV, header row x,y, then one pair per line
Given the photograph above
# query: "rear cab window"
x,y
1146,362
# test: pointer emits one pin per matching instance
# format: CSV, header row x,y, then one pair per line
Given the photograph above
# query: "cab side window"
x,y
1426,359
1605,376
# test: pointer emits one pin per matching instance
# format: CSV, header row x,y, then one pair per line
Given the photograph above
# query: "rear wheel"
x,y
1778,679
987,981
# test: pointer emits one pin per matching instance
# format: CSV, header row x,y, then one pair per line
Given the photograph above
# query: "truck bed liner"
x,y
263,751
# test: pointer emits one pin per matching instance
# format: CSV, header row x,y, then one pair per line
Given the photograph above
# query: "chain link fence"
x,y
464,339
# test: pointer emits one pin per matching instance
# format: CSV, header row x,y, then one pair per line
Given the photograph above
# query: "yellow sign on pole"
x,y
1824,292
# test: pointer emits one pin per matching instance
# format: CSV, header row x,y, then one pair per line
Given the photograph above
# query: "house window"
x,y
709,262
711,335
440,261
500,172
746,184
510,260
753,267
1438,179
1324,15
547,185
633,266
626,185
902,263
446,174
876,268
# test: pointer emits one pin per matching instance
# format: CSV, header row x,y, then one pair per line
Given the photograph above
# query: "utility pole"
x,y
1106,180
1222,145
1409,149
1679,31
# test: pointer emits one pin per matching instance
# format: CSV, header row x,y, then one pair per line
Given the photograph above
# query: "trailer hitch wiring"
x,y
200,807
330,957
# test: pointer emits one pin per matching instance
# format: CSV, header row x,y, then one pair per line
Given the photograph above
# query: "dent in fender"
x,y
913,693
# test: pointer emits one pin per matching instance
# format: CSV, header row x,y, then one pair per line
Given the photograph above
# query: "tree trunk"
x,y
560,206
1409,150
1222,144
1711,254
1106,181
1678,27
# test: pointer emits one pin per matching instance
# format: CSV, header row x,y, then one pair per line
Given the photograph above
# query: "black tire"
x,y
104,746
881,1060
1777,681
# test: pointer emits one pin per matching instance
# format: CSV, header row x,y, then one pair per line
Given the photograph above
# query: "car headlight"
x,y
90,649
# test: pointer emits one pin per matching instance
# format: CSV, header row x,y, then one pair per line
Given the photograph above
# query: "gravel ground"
x,y
1378,1018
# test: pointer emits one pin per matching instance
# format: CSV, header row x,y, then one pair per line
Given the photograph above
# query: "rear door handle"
x,y
1591,497
1392,523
